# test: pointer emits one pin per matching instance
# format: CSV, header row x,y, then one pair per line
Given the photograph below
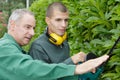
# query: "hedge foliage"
x,y
94,26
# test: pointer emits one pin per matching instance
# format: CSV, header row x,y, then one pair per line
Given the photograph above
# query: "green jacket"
x,y
43,49
15,65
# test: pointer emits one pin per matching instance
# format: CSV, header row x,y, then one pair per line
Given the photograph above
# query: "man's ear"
x,y
47,20
12,24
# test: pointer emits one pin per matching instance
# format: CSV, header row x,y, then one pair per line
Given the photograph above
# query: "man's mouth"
x,y
62,30
28,38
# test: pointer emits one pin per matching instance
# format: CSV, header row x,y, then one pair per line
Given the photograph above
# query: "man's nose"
x,y
32,32
64,24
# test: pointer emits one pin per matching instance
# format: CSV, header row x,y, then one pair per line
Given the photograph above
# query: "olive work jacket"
x,y
43,49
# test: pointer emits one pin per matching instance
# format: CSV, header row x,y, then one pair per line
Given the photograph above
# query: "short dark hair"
x,y
55,5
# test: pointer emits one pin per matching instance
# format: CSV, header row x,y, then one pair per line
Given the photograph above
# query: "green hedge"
x,y
93,27
2,30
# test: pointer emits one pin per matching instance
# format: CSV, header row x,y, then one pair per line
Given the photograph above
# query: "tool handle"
x,y
111,50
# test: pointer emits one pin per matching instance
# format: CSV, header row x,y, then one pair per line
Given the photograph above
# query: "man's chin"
x,y
25,43
61,34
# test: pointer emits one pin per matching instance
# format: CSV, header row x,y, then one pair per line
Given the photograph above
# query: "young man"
x,y
52,46
16,65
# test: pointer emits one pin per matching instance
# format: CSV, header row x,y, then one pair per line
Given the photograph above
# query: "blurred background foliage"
x,y
94,26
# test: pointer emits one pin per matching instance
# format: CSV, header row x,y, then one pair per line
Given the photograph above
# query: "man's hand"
x,y
79,57
90,65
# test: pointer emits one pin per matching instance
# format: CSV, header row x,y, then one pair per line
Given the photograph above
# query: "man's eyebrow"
x,y
28,25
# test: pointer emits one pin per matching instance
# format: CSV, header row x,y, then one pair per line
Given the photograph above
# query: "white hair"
x,y
18,14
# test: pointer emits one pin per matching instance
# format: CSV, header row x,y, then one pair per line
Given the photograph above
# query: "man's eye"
x,y
58,19
28,27
66,20
34,28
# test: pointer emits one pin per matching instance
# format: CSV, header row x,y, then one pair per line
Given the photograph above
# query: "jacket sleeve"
x,y
68,60
19,66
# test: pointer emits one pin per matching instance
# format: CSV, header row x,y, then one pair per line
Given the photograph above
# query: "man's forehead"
x,y
59,13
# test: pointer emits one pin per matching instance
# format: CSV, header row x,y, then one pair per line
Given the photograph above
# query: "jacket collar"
x,y
8,36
